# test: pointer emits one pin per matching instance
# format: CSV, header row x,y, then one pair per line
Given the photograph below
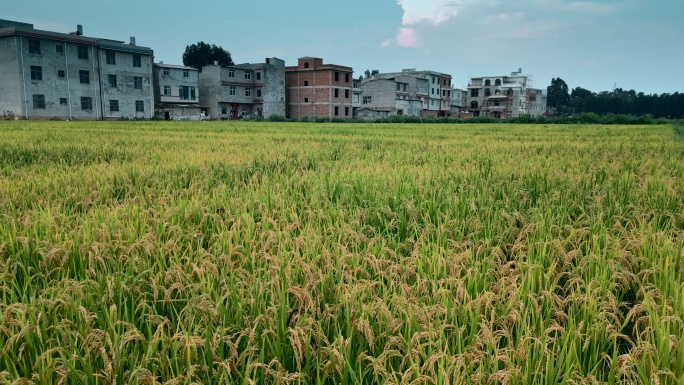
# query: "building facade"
x,y
409,92
505,96
318,90
243,90
51,75
176,92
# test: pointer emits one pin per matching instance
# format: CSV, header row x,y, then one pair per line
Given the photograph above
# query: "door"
x,y
167,115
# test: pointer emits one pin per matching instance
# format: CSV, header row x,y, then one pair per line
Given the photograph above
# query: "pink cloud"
x,y
407,37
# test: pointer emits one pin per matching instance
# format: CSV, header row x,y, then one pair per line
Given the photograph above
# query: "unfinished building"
x,y
505,96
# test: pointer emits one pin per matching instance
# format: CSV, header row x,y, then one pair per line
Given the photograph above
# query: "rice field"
x,y
290,253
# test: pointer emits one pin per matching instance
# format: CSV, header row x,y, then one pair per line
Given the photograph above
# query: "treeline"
x,y
561,101
583,118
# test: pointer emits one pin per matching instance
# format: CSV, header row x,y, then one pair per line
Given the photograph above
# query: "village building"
x,y
244,91
505,96
53,75
319,90
176,92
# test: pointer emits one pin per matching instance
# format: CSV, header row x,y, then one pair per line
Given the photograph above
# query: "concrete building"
x,y
243,90
52,75
505,96
176,92
316,90
409,92
458,102
356,97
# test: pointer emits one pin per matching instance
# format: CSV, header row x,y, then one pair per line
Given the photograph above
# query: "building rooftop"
x,y
160,64
14,28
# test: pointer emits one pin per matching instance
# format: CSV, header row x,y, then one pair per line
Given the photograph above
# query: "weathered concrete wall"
x,y
55,88
11,90
175,79
125,92
210,89
179,112
273,88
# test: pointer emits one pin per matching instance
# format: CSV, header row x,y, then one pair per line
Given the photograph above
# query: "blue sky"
x,y
635,44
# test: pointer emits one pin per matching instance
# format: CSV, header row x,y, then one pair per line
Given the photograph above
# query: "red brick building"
x,y
318,90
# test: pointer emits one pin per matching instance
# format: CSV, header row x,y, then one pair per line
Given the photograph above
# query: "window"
x,y
306,100
337,111
187,93
167,90
306,65
346,78
473,104
432,91
137,82
497,82
82,52
36,73
474,93
186,73
258,92
346,94
356,98
248,92
165,72
86,103
111,57
367,100
113,106
488,82
248,75
63,101
258,75
112,80
232,91
34,46
306,83
487,92
39,101
59,48
139,106
337,92
224,111
84,76
137,61
60,73
337,76
231,73
346,111
433,80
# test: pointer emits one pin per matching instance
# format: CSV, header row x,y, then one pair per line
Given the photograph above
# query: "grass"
x,y
241,253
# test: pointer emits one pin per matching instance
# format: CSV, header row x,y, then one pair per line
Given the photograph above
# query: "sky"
x,y
597,45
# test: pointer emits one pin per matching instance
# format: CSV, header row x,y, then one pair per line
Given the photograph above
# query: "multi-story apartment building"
x,y
356,97
315,89
50,75
458,101
176,92
409,92
505,96
244,90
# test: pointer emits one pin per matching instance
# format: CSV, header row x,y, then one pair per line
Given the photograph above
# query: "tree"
x,y
201,54
370,74
558,96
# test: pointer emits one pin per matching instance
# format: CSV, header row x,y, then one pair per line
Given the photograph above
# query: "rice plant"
x,y
285,253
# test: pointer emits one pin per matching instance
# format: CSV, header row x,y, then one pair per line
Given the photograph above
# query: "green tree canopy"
x,y
201,54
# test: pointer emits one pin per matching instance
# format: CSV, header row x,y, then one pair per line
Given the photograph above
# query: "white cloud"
x,y
503,17
432,11
407,37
